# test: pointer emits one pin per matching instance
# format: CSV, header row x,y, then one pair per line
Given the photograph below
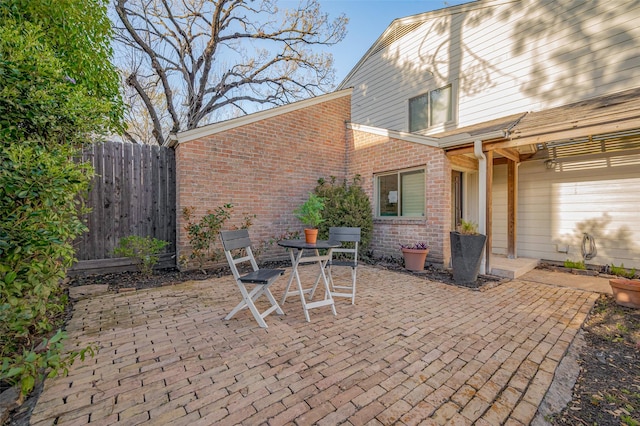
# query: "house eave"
x,y
404,136
211,129
463,139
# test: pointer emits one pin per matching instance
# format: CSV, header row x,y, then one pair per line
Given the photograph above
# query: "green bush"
x,y
50,105
144,250
203,234
574,265
346,205
621,271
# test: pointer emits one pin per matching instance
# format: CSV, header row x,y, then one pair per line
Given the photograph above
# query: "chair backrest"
x,y
345,234
237,239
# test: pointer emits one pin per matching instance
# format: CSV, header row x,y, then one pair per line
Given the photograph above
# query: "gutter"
x,y
482,196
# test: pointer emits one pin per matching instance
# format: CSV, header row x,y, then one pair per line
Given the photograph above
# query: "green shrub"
x,y
621,271
468,228
39,208
203,234
574,265
144,250
51,103
346,205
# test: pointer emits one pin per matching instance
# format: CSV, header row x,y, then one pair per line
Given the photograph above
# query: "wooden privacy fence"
x,y
133,193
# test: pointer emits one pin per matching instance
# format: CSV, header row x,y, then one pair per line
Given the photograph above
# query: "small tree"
x,y
203,234
144,250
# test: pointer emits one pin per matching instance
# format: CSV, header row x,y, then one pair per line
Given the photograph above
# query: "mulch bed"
x,y
139,281
607,391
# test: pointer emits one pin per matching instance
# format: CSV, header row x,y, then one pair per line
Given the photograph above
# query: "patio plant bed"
x,y
607,391
138,281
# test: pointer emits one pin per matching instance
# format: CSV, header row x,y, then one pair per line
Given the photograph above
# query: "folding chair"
x,y
262,278
342,235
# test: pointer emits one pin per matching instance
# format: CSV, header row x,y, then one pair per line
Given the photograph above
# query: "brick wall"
x,y
369,154
265,168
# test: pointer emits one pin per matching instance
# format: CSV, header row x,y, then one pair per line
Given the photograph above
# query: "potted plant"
x,y
466,252
414,255
626,289
310,213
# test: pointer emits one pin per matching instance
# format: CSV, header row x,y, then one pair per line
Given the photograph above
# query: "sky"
x,y
367,21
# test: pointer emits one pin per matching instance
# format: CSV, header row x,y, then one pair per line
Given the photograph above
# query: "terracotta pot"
x,y
311,236
414,258
626,292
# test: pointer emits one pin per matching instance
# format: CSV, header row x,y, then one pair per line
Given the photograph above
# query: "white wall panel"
x,y
557,206
504,58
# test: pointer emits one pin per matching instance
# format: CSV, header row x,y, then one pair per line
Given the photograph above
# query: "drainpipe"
x,y
482,196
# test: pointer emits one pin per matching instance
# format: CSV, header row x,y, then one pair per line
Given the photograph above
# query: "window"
x,y
401,194
430,109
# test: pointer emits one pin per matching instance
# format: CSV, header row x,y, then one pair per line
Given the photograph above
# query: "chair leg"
x,y
335,288
274,303
331,285
353,289
248,301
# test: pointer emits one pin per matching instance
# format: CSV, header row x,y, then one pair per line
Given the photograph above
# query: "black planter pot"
x,y
466,256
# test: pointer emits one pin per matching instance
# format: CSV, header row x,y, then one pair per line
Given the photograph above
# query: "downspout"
x,y
482,195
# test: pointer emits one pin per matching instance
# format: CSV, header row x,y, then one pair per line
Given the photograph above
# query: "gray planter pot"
x,y
466,256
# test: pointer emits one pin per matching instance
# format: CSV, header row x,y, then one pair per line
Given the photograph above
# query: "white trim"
x,y
408,137
482,199
212,129
466,138
398,174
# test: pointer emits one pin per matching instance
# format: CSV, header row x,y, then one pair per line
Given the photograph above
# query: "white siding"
x,y
503,58
600,197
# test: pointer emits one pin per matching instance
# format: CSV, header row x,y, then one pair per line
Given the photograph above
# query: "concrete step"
x,y
512,268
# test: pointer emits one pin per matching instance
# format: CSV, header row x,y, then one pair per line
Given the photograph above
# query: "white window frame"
x,y
429,125
400,214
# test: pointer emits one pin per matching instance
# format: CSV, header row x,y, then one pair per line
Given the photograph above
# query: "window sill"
x,y
399,220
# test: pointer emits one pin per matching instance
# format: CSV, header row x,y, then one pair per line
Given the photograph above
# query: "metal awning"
x,y
595,144
603,124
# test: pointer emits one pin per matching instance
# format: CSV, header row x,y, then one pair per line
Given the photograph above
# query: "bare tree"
x,y
224,56
139,126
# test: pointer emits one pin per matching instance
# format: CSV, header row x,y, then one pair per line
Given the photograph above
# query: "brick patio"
x,y
409,352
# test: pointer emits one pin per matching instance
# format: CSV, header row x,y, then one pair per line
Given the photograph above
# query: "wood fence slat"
x,y
97,214
109,234
136,186
81,244
146,203
118,158
127,187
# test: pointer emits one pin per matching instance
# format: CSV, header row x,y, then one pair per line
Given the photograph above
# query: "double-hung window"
x,y
431,109
401,194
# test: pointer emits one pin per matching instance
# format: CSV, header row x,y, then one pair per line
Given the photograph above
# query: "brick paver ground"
x,y
408,352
